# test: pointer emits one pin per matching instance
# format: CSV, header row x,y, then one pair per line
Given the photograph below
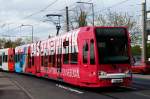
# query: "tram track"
x,y
30,86
67,87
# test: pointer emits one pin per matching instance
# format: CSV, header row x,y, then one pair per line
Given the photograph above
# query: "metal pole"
x,y
32,33
31,30
58,23
144,31
58,26
67,19
93,12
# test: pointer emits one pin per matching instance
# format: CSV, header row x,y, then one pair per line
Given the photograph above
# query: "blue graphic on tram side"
x,y
21,61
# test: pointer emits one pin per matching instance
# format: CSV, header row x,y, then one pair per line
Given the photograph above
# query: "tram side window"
x,y
15,58
92,57
11,58
45,60
21,56
42,60
18,57
85,52
49,60
29,60
52,60
32,60
74,56
66,55
5,59
53,57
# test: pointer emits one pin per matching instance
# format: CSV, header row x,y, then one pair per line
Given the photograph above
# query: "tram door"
x,y
88,55
84,73
29,58
85,53
59,61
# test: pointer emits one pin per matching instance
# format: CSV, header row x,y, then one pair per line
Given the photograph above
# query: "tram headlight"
x,y
128,73
102,73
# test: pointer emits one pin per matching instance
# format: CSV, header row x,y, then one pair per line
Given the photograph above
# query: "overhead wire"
x,y
45,8
35,13
42,10
28,16
112,6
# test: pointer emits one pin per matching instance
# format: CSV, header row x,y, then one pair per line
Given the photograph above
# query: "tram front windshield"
x,y
112,44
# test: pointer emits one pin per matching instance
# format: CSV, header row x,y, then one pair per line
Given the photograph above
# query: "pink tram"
x,y
87,57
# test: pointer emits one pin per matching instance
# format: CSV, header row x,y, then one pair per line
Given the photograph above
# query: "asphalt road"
x,y
15,86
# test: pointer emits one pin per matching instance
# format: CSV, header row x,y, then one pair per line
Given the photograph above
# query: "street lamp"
x,y
58,26
92,9
31,28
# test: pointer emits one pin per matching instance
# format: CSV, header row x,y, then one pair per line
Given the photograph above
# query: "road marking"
x,y
70,89
132,88
23,89
141,94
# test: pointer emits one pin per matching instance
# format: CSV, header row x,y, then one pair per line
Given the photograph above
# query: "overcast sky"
x,y
13,13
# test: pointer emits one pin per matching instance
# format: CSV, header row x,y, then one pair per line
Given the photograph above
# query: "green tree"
x,y
82,19
18,42
112,18
115,19
136,50
2,42
8,44
78,18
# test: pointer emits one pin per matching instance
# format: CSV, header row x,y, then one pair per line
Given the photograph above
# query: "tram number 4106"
x,y
116,80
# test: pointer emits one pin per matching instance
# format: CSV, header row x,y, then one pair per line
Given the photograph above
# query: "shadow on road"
x,y
134,88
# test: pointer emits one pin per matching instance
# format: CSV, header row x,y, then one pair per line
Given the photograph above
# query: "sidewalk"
x,y
8,89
